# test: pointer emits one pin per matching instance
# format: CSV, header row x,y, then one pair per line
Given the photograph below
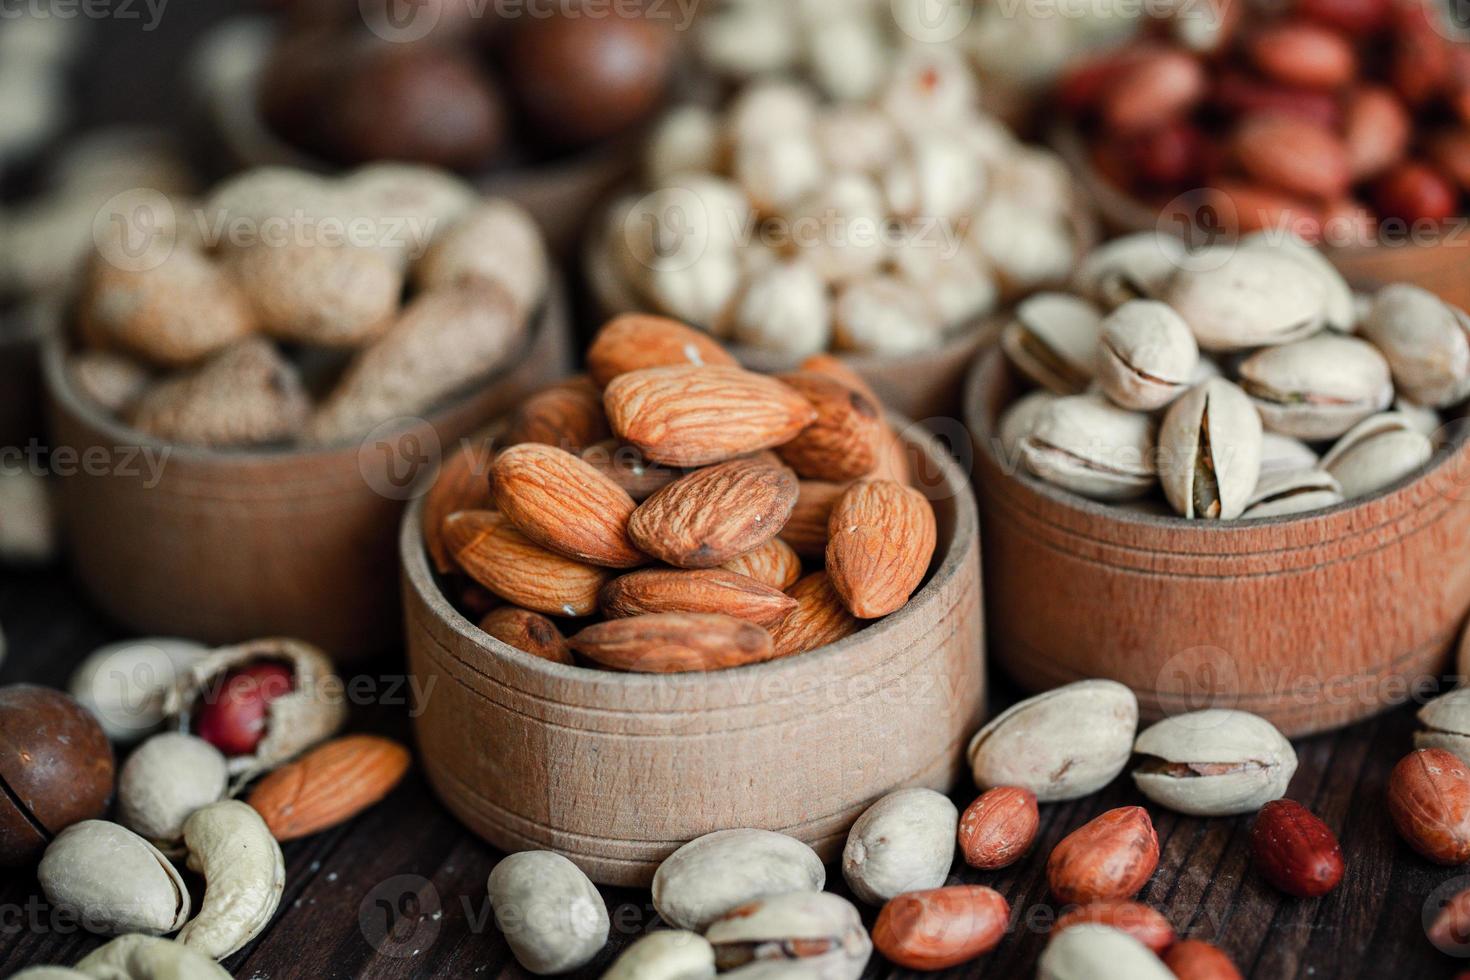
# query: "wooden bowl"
x,y
1312,621
616,770
224,546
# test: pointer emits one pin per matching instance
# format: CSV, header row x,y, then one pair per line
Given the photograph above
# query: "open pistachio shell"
x,y
1053,340
1341,304
1426,341
1248,298
1293,492
1210,452
1317,388
1018,421
818,930
1283,454
1085,444
1148,356
1446,722
1133,267
1377,452
1421,417
1214,763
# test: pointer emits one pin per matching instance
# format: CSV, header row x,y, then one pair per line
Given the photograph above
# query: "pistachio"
x,y
1341,311
1283,454
1214,763
713,874
818,930
168,778
1421,418
1087,445
1210,452
1281,493
1248,298
1426,341
1148,356
1446,722
1020,420
884,314
551,914
904,842
123,684
1317,388
1377,452
1089,951
669,954
1053,340
1066,743
114,880
1133,267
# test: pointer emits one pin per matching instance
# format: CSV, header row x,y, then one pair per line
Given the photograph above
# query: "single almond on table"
x,y
1142,922
665,643
328,785
715,514
999,828
1110,857
941,927
694,416
880,539
774,563
845,441
711,590
1429,802
1295,851
567,415
462,483
637,340
626,467
565,504
819,618
806,528
527,631
492,552
1194,959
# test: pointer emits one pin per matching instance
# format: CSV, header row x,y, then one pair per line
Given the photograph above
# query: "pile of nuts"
x,y
270,707
275,312
1134,392
793,226
720,480
1325,117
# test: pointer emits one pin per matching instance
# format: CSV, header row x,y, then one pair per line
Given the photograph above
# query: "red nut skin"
x,y
233,718
1421,66
1240,94
942,927
1082,85
999,828
1451,151
1142,922
1158,88
1376,130
1415,192
1429,803
1295,851
1172,155
1245,208
1358,17
1305,54
1194,959
1348,222
1293,155
1450,931
1111,857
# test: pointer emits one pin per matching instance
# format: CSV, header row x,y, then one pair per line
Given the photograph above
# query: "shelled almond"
x,y
733,517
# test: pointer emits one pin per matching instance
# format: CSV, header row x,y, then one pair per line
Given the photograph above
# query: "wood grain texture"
x,y
1312,622
224,546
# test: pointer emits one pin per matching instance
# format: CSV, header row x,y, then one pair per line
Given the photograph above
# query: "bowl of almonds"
x,y
1190,441
753,597
245,388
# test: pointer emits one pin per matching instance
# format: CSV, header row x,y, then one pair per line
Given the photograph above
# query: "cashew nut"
x,y
147,958
168,778
114,880
244,876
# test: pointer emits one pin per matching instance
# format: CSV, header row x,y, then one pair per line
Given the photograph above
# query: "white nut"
x,y
785,308
885,315
497,241
551,914
713,874
1094,952
244,876
778,170
124,684
113,879
904,842
165,781
687,140
147,958
1214,763
812,935
669,954
28,533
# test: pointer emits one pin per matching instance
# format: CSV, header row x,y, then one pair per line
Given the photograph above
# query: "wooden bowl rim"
x,y
55,345
1197,533
413,559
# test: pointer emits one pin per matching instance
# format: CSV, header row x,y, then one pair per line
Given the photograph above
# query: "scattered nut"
x,y
113,880
124,684
244,877
1144,923
329,785
164,782
711,875
669,954
999,828
817,930
902,843
1110,857
1214,763
1294,850
941,928
1429,802
552,916
1097,952
148,958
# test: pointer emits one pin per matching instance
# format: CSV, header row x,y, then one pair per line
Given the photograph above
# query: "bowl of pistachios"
x,y
1226,477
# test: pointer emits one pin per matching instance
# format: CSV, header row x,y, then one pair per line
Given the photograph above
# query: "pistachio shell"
x,y
1060,745
818,930
1214,763
1088,951
1377,452
1053,340
1148,356
1421,418
1210,451
902,843
1446,722
1287,492
669,954
710,875
1133,267
1341,304
1426,341
114,880
1019,420
1090,446
1283,454
1317,388
1249,298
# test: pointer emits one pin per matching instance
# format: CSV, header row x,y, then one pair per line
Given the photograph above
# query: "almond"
x,y
712,590
1142,922
941,927
693,416
1111,857
527,631
329,785
565,504
637,340
806,530
462,483
819,618
1294,155
1157,87
715,514
896,460
999,828
845,440
774,563
1194,959
1450,930
626,467
1295,851
840,371
1429,802
880,539
665,643
492,552
568,415
1376,129
1304,54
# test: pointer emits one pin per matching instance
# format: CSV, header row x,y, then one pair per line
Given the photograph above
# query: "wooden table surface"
x,y
400,891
